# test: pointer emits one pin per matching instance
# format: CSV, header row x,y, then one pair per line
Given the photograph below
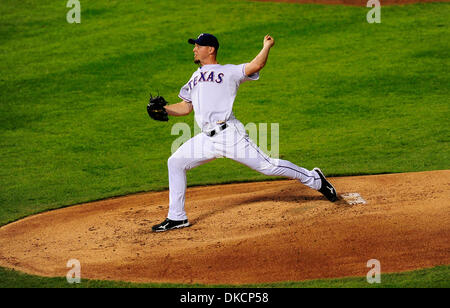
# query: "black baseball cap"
x,y
205,39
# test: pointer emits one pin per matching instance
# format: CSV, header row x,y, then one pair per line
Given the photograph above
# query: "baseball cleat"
x,y
326,189
168,224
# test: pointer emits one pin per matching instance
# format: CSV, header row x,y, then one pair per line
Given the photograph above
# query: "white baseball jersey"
x,y
212,90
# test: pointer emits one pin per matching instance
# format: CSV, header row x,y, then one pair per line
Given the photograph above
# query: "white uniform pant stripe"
x,y
280,167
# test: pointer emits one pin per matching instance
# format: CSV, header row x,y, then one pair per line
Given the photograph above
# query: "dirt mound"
x,y
244,233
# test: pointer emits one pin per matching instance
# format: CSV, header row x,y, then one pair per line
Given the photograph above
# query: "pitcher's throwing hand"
x,y
268,41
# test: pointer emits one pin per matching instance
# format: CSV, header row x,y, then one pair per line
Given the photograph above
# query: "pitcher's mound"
x,y
244,233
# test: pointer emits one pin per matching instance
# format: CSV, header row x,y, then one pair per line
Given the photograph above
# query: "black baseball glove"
x,y
156,110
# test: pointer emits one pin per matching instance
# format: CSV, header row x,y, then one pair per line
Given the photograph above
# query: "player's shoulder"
x,y
233,67
215,66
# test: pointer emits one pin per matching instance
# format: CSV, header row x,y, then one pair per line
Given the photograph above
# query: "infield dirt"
x,y
244,233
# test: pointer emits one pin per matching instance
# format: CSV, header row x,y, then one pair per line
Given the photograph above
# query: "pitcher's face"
x,y
202,53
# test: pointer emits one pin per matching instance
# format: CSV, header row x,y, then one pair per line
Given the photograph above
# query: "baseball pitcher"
x,y
210,93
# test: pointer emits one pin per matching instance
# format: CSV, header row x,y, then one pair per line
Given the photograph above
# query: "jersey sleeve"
x,y
240,73
185,93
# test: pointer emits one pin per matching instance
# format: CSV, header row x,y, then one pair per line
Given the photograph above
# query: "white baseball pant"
x,y
233,143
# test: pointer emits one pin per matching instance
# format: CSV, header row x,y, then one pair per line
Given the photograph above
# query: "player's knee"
x,y
265,171
267,167
175,163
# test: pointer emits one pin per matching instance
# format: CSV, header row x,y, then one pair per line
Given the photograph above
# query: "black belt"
x,y
217,130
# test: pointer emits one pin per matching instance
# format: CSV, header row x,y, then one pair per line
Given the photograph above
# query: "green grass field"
x,y
436,277
349,96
